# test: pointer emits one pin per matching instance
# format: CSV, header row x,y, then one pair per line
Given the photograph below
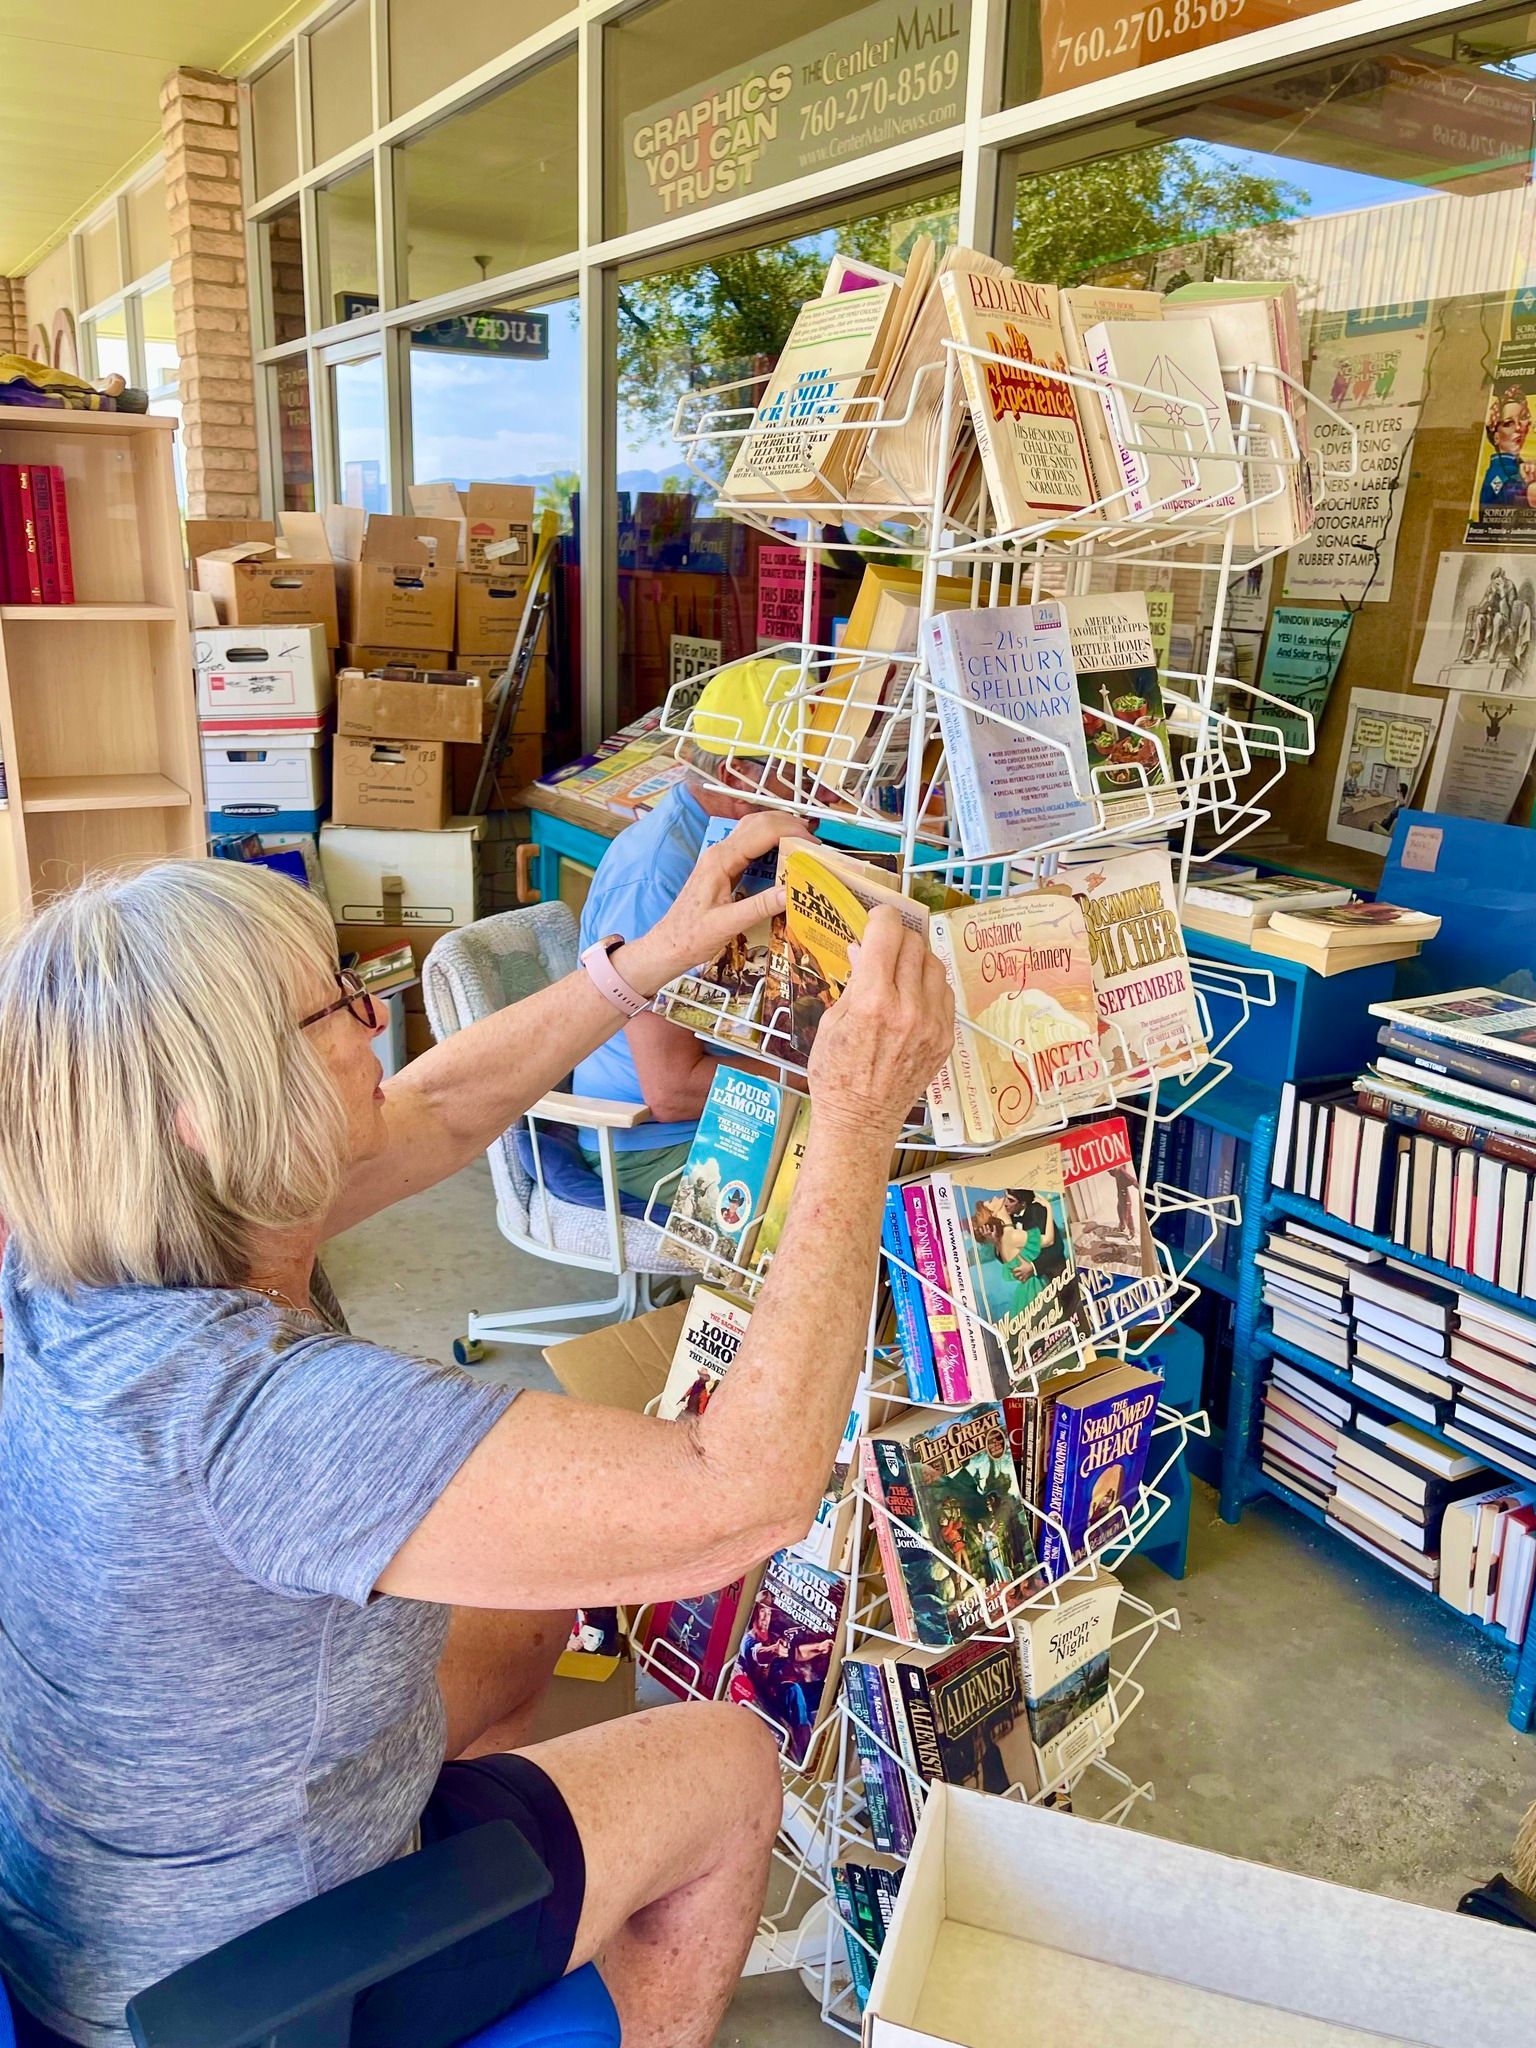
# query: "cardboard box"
x,y
522,763
384,938
406,882
395,578
264,782
494,521
401,785
400,708
533,711
252,585
1016,1926
367,658
490,610
276,674
625,1365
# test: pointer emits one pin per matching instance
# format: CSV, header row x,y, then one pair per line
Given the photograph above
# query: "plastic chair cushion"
x,y
575,2013
566,1173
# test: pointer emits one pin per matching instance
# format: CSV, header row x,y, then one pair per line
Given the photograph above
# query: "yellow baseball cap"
x,y
742,709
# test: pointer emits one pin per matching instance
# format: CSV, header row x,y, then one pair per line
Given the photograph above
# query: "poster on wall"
x,y
1482,757
691,659
885,74
1242,628
1369,368
1482,620
1504,488
1160,619
1385,741
781,595
1301,658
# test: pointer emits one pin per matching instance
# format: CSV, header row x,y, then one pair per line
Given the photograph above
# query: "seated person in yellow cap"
x,y
638,880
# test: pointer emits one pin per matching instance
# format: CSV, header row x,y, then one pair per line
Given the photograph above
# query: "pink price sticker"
x,y
1421,848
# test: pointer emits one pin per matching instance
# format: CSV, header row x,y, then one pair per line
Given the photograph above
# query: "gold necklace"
x,y
276,1294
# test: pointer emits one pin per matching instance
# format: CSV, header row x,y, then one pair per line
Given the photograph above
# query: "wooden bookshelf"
x,y
98,721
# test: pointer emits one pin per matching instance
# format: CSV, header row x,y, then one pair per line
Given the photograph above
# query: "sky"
x,y
475,416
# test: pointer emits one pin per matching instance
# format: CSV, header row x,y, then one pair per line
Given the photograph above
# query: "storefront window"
x,y
702,107
340,80
103,270
349,251
295,433
111,335
149,226
423,59
1410,236
493,188
357,403
274,127
161,362
282,261
694,588
1054,45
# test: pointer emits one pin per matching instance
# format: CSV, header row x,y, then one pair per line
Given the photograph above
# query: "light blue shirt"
x,y
637,882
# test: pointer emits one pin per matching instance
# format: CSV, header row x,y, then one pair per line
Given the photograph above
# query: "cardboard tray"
x,y
1016,1927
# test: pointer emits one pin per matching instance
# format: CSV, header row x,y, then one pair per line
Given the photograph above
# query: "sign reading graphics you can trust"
x,y
873,79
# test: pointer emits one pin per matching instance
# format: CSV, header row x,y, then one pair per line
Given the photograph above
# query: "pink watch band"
x,y
608,981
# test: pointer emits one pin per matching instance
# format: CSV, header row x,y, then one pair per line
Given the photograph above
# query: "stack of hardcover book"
x,y
36,561
1338,937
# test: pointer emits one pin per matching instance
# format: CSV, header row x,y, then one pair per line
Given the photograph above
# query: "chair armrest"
x,y
592,1111
318,1957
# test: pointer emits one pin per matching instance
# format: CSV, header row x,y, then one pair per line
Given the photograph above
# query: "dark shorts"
x,y
455,1994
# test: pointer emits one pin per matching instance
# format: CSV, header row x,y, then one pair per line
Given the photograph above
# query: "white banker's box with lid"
x,y
1020,1928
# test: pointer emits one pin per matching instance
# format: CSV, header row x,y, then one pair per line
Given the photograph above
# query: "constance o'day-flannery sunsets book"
x,y
1021,974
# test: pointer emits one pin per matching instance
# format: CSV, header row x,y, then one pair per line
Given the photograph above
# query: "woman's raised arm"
x,y
566,1504
449,1105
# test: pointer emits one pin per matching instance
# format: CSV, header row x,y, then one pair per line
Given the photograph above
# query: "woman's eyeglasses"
x,y
354,998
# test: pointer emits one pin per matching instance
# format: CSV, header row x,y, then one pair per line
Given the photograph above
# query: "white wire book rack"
x,y
857,737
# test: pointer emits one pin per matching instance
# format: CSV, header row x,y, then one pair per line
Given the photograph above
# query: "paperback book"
x,y
793,448
1019,776
1149,1015
1110,636
1008,1252
729,1169
1111,1242
1064,1658
1167,416
949,1521
708,1342
1084,307
724,999
1100,1434
1486,1019
828,899
1027,1028
967,1717
688,1644
776,1210
1026,425
787,1664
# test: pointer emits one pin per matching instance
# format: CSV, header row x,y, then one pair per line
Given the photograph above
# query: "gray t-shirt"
x,y
204,1715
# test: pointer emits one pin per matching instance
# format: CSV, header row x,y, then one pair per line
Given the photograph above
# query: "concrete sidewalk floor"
x,y
1314,1711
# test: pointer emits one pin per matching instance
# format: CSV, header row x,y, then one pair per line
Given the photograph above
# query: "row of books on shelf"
x,y
1019,1715
1432,1513
1212,1165
626,774
1046,421
1435,1144
1455,1361
997,1267
36,561
1065,994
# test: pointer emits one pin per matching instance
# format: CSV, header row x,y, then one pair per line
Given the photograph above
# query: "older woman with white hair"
x,y
274,1600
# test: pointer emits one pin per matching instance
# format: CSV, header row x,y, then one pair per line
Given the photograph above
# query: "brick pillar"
x,y
13,316
200,120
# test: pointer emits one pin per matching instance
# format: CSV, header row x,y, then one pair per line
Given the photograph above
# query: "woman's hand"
x,y
705,917
886,1036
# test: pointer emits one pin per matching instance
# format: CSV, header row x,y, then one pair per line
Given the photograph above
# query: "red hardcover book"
x,y
12,559
41,480
61,535
30,582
